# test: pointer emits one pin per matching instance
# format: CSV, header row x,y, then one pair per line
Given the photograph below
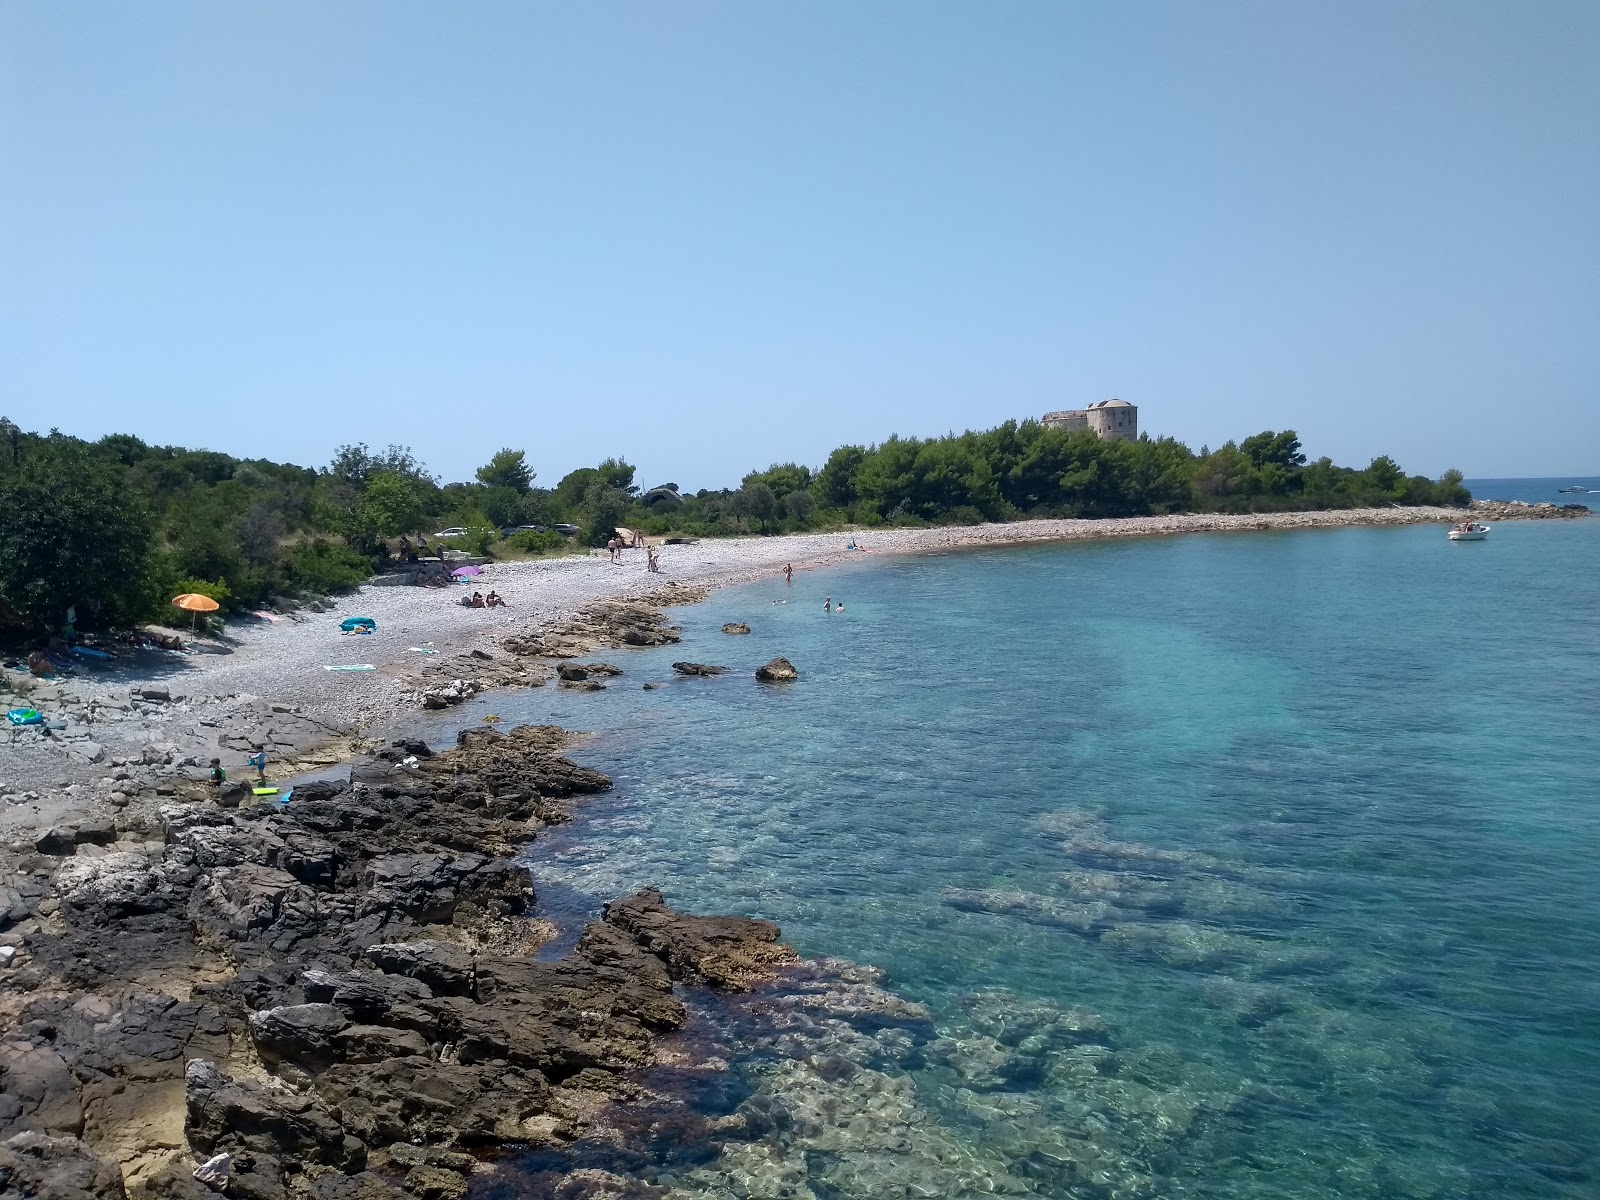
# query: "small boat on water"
x,y
1468,531
1577,487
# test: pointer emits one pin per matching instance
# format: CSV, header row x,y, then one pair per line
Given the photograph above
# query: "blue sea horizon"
x,y
1539,491
1227,865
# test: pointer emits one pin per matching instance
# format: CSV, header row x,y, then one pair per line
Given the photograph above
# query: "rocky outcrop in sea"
x,y
337,997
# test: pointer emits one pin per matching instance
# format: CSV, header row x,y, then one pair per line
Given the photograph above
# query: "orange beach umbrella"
x,y
193,602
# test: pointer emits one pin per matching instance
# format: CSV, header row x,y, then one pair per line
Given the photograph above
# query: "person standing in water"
x,y
788,574
827,605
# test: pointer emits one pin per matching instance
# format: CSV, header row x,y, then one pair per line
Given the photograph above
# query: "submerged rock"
x,y
736,627
689,668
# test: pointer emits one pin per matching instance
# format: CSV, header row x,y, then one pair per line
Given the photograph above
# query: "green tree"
x,y
605,505
73,536
836,482
755,499
503,506
1384,476
390,506
507,469
799,505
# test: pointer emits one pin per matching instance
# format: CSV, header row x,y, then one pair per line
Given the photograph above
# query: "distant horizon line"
x,y
1466,476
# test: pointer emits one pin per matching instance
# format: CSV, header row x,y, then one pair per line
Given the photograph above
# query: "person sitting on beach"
x,y
218,775
477,600
492,600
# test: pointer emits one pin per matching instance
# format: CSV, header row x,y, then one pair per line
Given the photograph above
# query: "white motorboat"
x,y
1468,531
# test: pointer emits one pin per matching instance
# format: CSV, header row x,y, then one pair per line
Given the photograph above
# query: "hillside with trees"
x,y
115,528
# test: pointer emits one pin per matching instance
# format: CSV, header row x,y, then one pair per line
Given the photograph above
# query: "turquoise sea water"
x,y
1309,822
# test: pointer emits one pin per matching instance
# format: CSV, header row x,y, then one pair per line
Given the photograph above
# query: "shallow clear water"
x,y
1311,819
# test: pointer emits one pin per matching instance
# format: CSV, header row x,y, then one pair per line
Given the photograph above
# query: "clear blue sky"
x,y
711,236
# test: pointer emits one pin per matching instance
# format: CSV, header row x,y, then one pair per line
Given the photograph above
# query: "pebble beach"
x,y
262,665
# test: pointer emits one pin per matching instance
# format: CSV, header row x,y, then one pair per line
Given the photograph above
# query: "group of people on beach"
x,y
479,600
652,556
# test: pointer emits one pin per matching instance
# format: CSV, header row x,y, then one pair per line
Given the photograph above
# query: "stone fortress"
x,y
1108,419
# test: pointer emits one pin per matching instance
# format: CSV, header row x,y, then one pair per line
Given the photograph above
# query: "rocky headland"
x,y
334,997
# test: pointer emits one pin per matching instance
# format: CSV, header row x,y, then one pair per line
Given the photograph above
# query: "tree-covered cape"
x,y
116,527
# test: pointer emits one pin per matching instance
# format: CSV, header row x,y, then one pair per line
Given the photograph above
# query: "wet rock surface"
x,y
338,994
779,670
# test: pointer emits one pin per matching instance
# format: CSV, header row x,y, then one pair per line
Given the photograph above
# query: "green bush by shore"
x,y
116,527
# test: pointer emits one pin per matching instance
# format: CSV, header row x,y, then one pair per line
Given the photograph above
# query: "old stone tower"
x,y
1108,419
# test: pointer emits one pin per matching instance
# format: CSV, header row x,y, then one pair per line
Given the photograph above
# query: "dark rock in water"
x,y
582,685
779,670
689,668
56,842
736,627
573,672
730,952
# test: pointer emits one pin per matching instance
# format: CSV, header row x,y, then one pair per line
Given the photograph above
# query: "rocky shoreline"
x,y
343,995
337,997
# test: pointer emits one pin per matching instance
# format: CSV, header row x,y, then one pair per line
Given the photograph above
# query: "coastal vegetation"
x,y
115,528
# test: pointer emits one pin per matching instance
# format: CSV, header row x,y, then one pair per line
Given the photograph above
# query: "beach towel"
x,y
353,667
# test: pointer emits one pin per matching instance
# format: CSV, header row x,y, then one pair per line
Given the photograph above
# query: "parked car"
x,y
453,531
566,530
510,529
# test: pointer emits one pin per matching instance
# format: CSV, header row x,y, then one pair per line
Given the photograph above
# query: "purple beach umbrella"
x,y
463,572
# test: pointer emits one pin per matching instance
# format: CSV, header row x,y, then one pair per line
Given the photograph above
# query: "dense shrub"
x,y
323,566
526,541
